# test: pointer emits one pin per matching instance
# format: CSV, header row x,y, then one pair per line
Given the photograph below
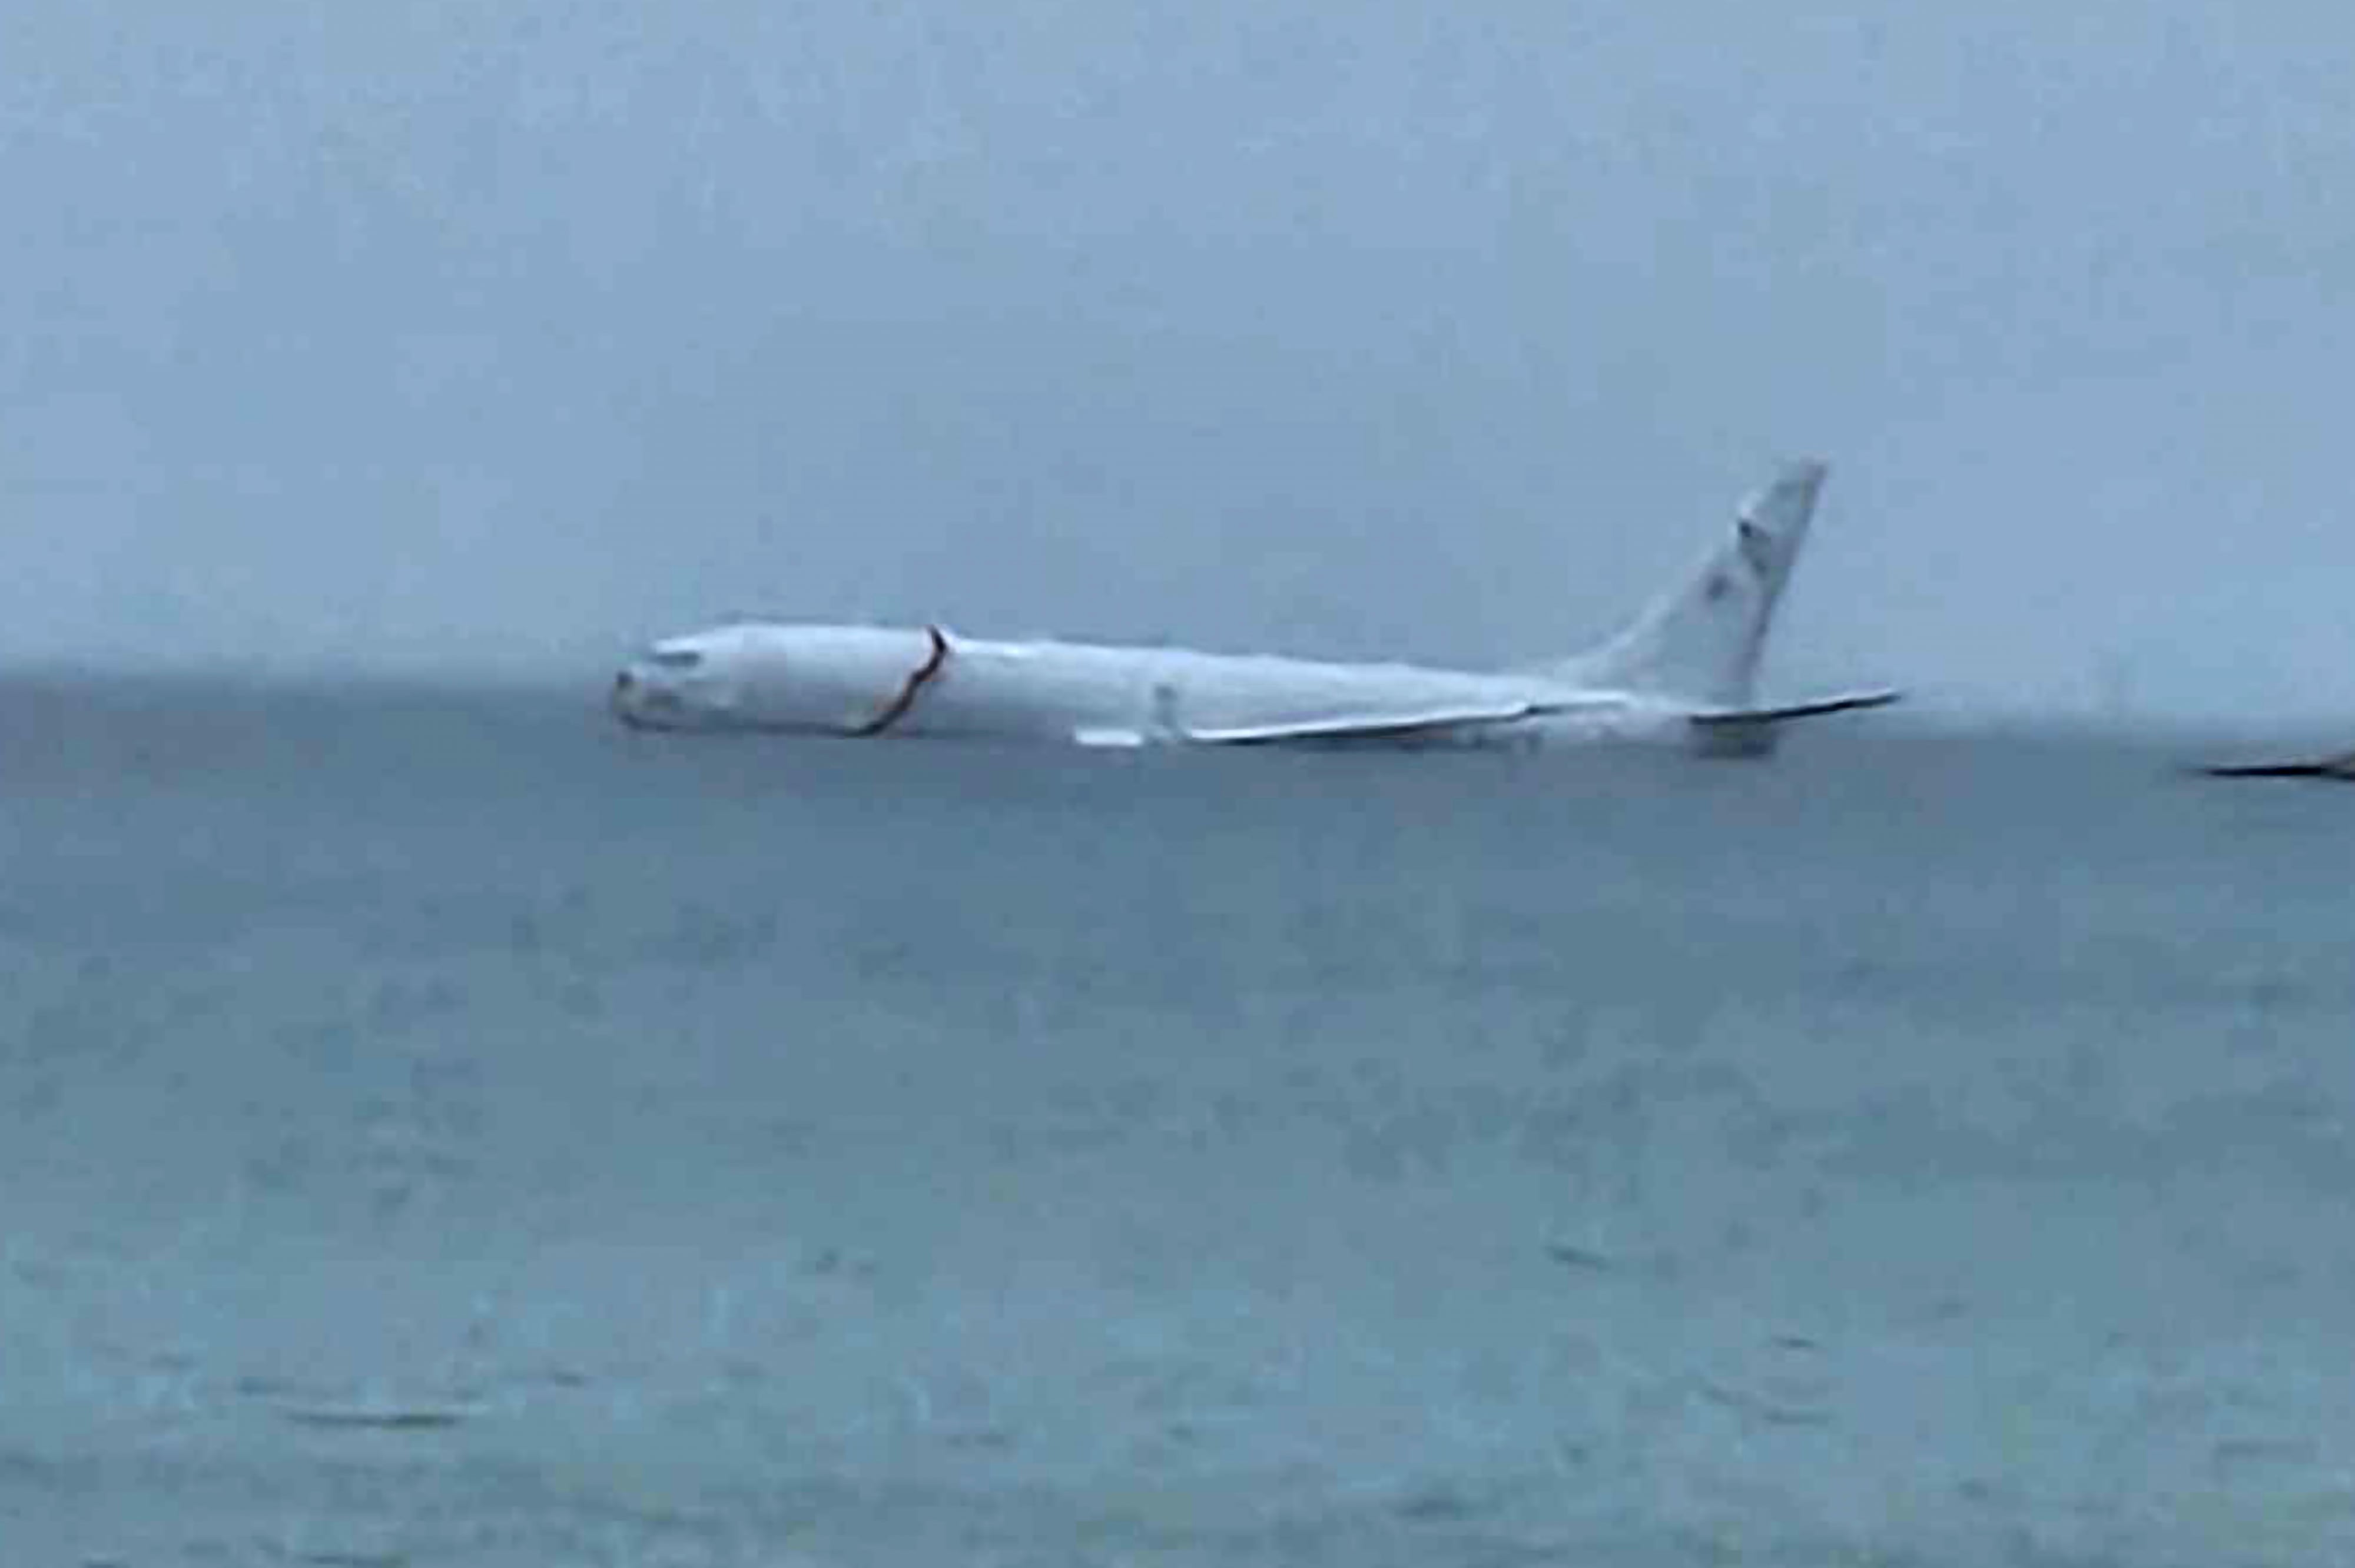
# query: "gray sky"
x,y
508,335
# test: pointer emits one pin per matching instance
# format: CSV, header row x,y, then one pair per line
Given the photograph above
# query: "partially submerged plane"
x,y
1683,671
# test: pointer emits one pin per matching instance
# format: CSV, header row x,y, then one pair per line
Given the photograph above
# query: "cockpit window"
x,y
676,658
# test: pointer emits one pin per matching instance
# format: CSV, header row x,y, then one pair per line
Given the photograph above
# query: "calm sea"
x,y
449,1129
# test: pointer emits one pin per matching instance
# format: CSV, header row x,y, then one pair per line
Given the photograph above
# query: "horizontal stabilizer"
x,y
1846,703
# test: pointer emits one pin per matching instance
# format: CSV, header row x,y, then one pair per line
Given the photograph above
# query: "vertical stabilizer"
x,y
1702,642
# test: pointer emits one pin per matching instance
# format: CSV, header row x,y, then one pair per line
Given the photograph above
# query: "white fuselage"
x,y
1682,670
900,681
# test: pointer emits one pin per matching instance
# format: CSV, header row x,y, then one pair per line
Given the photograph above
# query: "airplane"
x,y
1683,672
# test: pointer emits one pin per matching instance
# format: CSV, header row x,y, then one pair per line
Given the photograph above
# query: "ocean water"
x,y
449,1129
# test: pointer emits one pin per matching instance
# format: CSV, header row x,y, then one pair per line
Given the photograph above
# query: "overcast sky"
x,y
508,335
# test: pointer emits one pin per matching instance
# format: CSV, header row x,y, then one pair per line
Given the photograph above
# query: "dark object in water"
x,y
2339,769
404,1419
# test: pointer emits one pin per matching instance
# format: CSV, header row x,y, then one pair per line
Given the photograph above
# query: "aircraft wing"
x,y
1846,702
1404,725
